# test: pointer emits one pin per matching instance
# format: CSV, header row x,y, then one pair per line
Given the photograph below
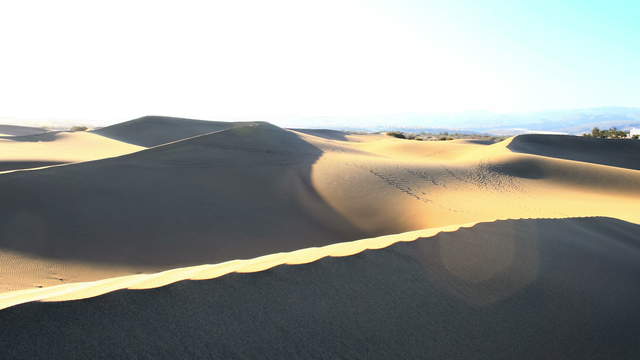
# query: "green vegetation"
x,y
443,136
396,134
79,128
612,133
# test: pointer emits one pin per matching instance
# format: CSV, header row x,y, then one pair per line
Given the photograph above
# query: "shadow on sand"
x,y
240,193
524,289
623,153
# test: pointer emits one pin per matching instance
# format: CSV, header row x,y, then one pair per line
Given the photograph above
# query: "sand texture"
x,y
311,243
525,289
57,148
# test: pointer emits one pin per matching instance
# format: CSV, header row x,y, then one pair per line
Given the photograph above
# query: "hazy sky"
x,y
105,62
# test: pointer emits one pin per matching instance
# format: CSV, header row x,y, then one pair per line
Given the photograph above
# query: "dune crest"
x,y
81,290
56,148
624,153
254,189
518,288
149,131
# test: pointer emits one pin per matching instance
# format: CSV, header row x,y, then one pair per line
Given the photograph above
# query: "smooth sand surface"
x,y
17,130
231,191
614,152
515,289
151,131
58,147
257,189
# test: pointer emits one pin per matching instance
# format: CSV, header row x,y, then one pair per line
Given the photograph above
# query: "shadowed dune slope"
x,y
238,193
17,130
623,153
325,133
257,189
156,130
58,147
516,289
30,164
476,141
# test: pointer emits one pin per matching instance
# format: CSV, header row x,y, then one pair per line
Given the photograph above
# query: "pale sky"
x,y
104,62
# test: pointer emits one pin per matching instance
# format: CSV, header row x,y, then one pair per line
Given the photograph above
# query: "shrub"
x,y
79,128
612,133
396,134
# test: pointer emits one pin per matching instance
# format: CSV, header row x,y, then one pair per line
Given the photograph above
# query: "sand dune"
x,y
58,147
444,272
17,130
81,290
430,184
325,133
207,199
525,289
157,130
257,189
614,152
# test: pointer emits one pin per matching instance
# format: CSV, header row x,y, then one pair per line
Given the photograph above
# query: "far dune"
x,y
623,153
206,199
524,248
58,147
18,130
255,189
151,131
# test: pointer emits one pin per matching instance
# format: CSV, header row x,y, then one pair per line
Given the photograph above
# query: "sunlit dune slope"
x,y
156,130
389,185
257,189
238,193
54,148
516,289
17,130
623,153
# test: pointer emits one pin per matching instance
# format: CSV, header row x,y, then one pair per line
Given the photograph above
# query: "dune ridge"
x,y
149,131
235,159
517,249
82,290
512,289
18,130
37,151
623,153
254,189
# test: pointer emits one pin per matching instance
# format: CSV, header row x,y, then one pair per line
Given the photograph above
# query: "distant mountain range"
x,y
558,121
575,121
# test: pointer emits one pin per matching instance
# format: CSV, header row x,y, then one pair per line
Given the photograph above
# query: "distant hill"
x,y
575,121
157,130
205,199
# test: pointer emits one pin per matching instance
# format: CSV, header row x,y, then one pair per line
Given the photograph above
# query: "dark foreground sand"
x,y
514,289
